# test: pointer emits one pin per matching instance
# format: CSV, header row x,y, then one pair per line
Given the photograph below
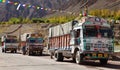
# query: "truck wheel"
x,y
73,59
103,61
58,56
23,52
78,57
15,51
12,51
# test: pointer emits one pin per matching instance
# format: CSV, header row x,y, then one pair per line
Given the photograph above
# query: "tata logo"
x,y
97,19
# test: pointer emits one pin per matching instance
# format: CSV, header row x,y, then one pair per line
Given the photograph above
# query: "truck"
x,y
9,43
33,43
90,38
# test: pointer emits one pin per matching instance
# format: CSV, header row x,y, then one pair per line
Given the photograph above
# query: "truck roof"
x,y
92,20
8,37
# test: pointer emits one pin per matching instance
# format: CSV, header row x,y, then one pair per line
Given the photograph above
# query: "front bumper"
x,y
10,48
97,55
36,48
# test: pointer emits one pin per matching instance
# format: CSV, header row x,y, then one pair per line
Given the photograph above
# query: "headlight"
x,y
87,47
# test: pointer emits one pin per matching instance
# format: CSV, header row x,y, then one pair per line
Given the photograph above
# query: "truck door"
x,y
75,39
72,37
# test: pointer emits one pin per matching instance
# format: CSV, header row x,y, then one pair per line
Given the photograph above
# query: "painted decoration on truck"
x,y
99,44
94,21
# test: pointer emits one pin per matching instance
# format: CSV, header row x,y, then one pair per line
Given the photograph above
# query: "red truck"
x,y
90,38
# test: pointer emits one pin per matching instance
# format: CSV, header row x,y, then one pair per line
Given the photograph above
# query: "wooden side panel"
x,y
60,41
65,41
68,40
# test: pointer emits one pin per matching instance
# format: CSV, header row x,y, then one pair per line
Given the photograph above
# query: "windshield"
x,y
106,33
34,40
90,32
40,40
11,41
93,32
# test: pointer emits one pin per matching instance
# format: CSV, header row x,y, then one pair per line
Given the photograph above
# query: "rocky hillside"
x,y
9,10
75,6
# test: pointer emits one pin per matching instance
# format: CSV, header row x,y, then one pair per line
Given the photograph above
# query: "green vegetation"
x,y
17,21
55,19
106,13
14,21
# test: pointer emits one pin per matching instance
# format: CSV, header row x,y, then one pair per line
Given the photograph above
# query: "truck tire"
x,y
58,56
103,61
78,57
12,51
15,51
73,59
23,52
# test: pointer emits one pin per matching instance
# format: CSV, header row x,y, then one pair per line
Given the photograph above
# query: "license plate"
x,y
105,55
94,54
100,55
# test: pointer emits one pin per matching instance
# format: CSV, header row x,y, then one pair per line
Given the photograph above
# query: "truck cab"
x,y
34,45
93,40
9,43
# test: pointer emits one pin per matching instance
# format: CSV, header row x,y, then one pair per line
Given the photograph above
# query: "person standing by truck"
x,y
23,41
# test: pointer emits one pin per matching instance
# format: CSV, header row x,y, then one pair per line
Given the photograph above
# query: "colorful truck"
x,y
9,43
33,44
90,38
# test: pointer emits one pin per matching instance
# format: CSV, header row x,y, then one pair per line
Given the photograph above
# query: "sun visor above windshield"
x,y
89,21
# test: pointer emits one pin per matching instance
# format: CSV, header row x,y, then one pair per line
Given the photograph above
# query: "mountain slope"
x,y
74,6
9,10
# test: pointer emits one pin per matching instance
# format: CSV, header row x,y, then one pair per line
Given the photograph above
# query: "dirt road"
x,y
9,61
